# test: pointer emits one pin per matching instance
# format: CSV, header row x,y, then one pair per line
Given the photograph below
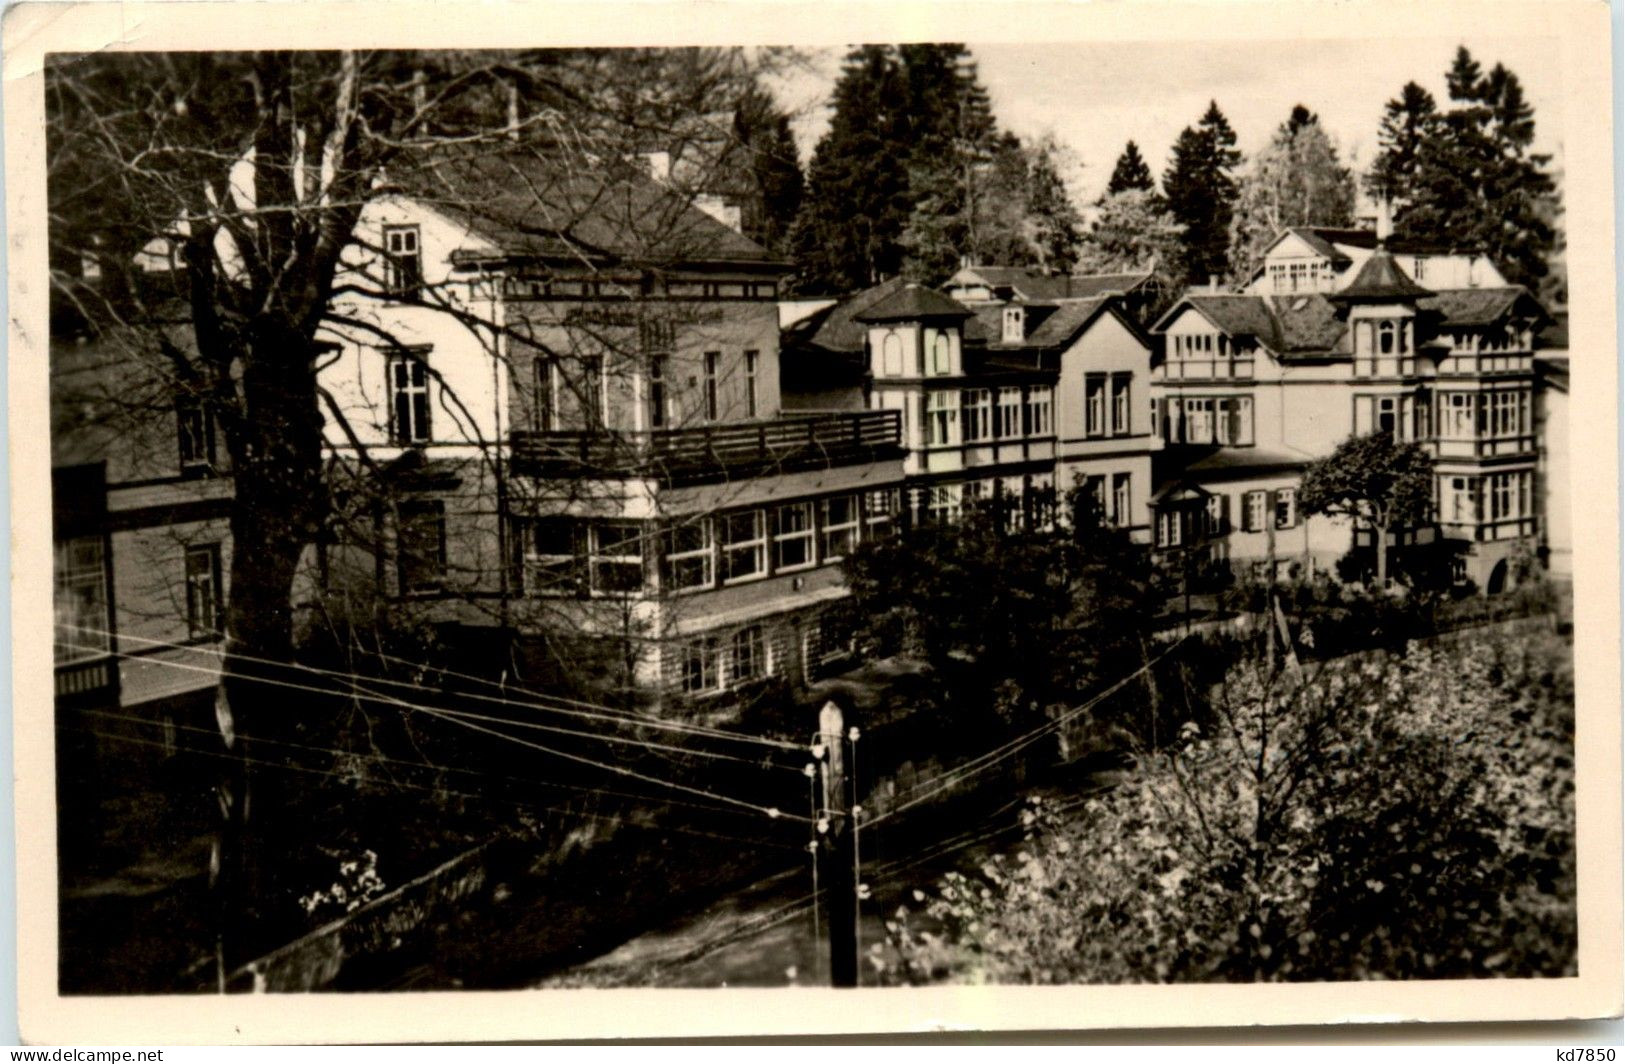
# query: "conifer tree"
x,y
1200,188
1467,178
775,183
1130,173
1056,224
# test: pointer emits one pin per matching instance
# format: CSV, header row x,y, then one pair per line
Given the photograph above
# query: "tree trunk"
x,y
279,504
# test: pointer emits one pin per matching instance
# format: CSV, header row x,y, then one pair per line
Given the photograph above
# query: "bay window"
x,y
1009,413
941,419
1038,412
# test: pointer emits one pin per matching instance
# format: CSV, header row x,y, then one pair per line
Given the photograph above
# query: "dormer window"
x,y
1015,325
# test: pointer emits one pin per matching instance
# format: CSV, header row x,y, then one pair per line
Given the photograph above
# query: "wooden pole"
x,y
836,857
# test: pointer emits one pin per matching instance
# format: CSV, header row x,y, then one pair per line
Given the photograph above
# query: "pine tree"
x,y
1056,224
1407,122
773,179
1200,189
1296,180
1475,184
847,234
1131,172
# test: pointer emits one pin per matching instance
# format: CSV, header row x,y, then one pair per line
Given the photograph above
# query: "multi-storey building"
x,y
1024,399
574,398
1251,387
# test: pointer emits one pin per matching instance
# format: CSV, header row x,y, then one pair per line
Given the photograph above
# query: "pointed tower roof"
x,y
1381,280
914,302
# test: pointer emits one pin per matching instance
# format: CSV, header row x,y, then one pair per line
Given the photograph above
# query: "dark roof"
x,y
1296,326
913,302
1034,286
528,207
836,328
1380,280
1553,371
1175,466
1481,306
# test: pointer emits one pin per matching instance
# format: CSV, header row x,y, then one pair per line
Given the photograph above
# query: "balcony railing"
x,y
1205,369
714,452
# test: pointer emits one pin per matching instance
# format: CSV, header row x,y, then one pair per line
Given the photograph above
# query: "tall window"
x,y
1094,498
749,654
1120,392
79,599
1009,413
688,560
744,546
1094,404
1170,528
1039,422
403,262
1461,500
408,398
839,527
1122,510
879,510
592,392
547,397
554,553
941,355
793,536
203,598
713,369
616,561
1286,508
657,392
1233,420
421,546
891,355
1388,415
1456,416
196,426
941,419
1199,421
977,406
1253,514
699,665
751,360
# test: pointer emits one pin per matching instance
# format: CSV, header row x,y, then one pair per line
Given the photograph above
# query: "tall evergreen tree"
x,y
775,183
1200,188
1408,121
1130,173
847,234
1475,183
1296,180
1055,222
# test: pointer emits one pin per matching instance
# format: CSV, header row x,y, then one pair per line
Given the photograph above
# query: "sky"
x,y
1093,97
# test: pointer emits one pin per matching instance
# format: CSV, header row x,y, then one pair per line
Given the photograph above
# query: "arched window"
x,y
941,360
1385,338
891,355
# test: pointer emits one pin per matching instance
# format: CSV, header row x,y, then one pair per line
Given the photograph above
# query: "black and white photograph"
x,y
876,506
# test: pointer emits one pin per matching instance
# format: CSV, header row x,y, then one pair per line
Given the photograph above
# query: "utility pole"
x,y
837,855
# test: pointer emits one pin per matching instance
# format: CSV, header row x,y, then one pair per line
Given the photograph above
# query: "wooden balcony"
x,y
702,454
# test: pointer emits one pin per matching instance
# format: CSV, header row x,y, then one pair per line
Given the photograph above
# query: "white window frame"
x,y
712,396
1008,417
1196,410
755,546
1286,500
879,512
79,574
942,355
1094,404
944,503
805,536
403,264
699,670
413,424
942,419
204,601
1040,410
705,553
838,538
891,355
747,655
976,421
1122,500
1121,387
1255,508
607,554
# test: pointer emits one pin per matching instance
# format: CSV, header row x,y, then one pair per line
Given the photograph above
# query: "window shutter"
x,y
1224,515
1271,501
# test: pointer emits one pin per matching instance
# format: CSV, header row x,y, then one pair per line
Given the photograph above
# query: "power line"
x,y
358,691
541,702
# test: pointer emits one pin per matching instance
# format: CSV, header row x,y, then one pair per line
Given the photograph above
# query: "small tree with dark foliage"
x,y
1376,480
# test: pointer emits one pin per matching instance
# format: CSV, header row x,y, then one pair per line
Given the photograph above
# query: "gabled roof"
x,y
1482,306
913,302
1380,280
1294,327
1322,238
836,328
530,208
1032,286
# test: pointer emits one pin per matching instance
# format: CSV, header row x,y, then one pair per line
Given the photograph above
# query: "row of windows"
x,y
1485,415
1106,404
1300,276
934,358
972,416
1259,510
572,556
591,405
1024,501
1116,509
1205,345
1492,497
1226,420
595,288
80,602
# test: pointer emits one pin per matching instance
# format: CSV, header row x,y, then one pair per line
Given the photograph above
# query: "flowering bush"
x,y
1374,817
357,884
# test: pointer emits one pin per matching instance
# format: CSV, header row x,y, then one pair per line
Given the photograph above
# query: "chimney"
x,y
1385,221
1212,282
